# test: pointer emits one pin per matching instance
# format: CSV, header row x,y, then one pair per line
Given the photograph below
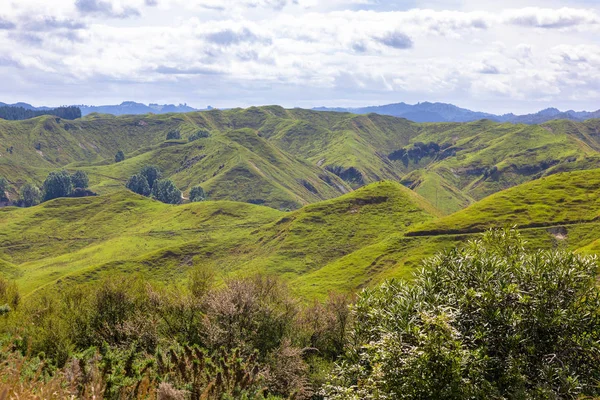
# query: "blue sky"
x,y
496,56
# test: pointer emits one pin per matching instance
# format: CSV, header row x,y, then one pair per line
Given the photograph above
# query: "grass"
x,y
83,239
564,198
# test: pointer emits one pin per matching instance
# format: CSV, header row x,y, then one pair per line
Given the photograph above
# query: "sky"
x,y
496,56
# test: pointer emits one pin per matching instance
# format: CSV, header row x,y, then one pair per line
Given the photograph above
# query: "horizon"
x,y
209,106
514,57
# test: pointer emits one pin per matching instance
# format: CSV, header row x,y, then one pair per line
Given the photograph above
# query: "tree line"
x,y
57,184
19,113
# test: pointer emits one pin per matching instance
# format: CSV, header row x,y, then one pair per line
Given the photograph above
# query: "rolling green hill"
x,y
85,238
289,158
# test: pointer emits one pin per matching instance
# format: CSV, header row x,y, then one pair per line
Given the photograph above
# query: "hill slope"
x,y
85,238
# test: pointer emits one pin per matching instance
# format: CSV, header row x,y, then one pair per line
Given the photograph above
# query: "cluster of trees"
x,y
57,184
490,320
419,150
200,134
149,183
174,135
20,113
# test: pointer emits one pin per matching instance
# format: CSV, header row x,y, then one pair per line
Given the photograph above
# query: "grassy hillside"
x,y
85,238
564,198
289,158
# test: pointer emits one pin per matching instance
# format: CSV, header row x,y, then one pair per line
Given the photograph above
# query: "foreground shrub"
x,y
490,320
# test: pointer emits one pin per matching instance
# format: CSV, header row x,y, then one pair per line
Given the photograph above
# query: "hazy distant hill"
x,y
442,112
133,108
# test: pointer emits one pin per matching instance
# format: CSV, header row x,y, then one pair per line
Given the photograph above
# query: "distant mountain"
x,y
25,106
133,108
443,112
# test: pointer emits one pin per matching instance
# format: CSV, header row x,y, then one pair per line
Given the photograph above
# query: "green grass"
x,y
558,199
83,239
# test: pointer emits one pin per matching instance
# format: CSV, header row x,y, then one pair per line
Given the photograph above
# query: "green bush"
x,y
197,194
198,135
138,184
120,156
164,190
490,320
80,180
30,195
57,184
151,173
3,189
174,135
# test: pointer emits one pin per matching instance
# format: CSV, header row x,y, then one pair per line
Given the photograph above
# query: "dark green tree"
x,y
30,195
80,180
139,184
57,184
487,321
151,173
165,190
120,156
4,186
198,135
173,135
197,194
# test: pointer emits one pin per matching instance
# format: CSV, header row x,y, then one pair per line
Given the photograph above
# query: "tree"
x,y
490,320
173,135
120,156
138,184
197,194
165,190
198,135
30,195
151,173
3,189
57,184
80,180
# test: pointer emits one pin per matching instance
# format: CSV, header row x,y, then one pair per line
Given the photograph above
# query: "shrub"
x,y
57,184
174,135
198,135
3,189
197,194
489,320
120,156
164,190
151,173
138,184
80,180
30,195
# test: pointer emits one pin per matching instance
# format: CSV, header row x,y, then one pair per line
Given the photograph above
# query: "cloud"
x,y
551,18
6,25
397,40
105,8
284,50
228,37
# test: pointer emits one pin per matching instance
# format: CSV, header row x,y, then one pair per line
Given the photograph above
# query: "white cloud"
x,y
286,49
